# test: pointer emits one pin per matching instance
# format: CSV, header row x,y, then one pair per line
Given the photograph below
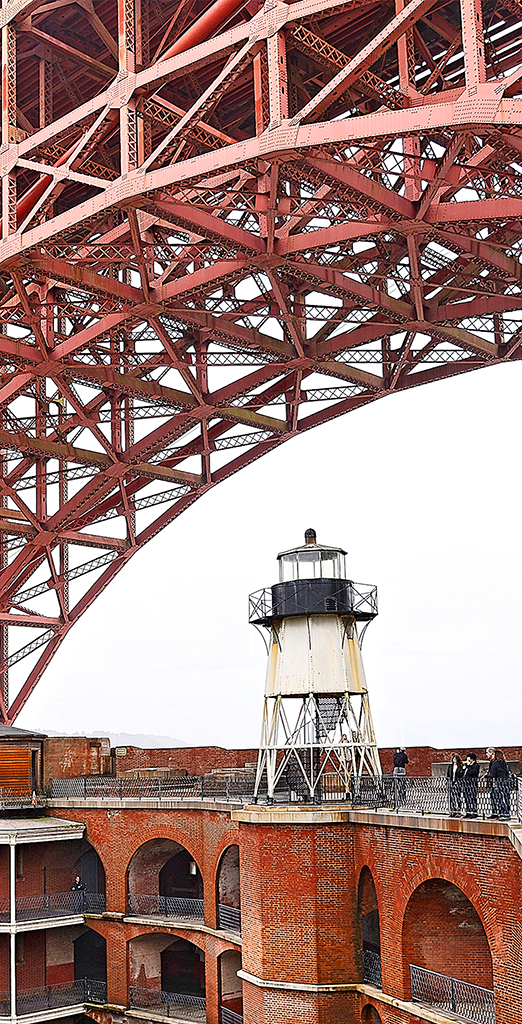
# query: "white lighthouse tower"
x,y
317,736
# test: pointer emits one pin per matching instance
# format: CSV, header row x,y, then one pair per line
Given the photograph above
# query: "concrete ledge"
x,y
145,804
290,814
414,1009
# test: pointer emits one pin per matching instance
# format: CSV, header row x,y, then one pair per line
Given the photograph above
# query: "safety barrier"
x,y
142,905
54,997
229,918
471,1002
169,1004
413,794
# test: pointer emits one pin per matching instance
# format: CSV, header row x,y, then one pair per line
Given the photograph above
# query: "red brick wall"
x,y
443,932
195,760
298,912
117,835
67,756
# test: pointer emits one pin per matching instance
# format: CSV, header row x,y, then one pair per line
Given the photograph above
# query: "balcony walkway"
x,y
53,1001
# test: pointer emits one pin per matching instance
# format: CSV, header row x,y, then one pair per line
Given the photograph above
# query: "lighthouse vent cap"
x,y
310,536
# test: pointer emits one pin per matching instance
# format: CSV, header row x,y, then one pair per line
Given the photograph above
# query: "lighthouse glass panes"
x,y
313,562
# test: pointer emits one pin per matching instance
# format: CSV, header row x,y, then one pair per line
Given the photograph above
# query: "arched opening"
x,y
165,881
90,965
90,956
229,890
89,868
370,1015
446,954
369,928
167,977
183,968
230,987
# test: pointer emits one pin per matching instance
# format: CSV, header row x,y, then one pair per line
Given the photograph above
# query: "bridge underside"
x,y
222,226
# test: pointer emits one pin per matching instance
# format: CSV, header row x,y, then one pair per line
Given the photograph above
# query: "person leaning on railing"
x,y
498,783
471,770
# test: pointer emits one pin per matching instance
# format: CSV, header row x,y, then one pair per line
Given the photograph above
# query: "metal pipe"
x,y
203,27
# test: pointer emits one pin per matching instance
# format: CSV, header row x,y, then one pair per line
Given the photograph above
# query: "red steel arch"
x,y
214,217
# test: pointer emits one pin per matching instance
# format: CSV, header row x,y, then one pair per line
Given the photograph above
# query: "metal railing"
x,y
304,596
169,1004
438,796
372,967
471,1002
415,794
142,905
54,997
229,918
13,798
43,906
205,787
230,1016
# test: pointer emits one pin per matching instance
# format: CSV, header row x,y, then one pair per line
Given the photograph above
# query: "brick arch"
x,y
462,880
370,1015
196,938
175,835
368,926
94,846
147,862
367,899
442,931
229,839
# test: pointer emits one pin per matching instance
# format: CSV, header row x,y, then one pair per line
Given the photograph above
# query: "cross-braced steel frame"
x,y
222,225
302,737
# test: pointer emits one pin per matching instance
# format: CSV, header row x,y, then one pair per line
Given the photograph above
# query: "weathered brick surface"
x,y
68,756
195,760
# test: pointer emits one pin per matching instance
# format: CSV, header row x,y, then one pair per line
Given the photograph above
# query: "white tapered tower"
x,y
317,736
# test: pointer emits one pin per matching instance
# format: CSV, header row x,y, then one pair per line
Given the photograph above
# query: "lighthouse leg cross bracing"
x,y
325,752
223,225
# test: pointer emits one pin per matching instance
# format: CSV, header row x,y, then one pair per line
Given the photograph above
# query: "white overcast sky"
x,y
424,491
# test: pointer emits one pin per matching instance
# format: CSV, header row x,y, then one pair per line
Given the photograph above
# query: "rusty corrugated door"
x,y
15,769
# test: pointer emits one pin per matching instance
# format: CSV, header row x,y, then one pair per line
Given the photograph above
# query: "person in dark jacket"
x,y
400,760
497,781
470,784
455,774
78,891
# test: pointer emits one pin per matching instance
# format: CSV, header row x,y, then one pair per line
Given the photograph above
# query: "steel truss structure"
x,y
313,738
214,217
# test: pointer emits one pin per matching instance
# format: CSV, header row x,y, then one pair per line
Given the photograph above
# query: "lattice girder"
x,y
221,227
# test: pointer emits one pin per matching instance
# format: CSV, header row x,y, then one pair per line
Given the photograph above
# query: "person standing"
x,y
78,891
455,774
400,760
497,781
471,770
